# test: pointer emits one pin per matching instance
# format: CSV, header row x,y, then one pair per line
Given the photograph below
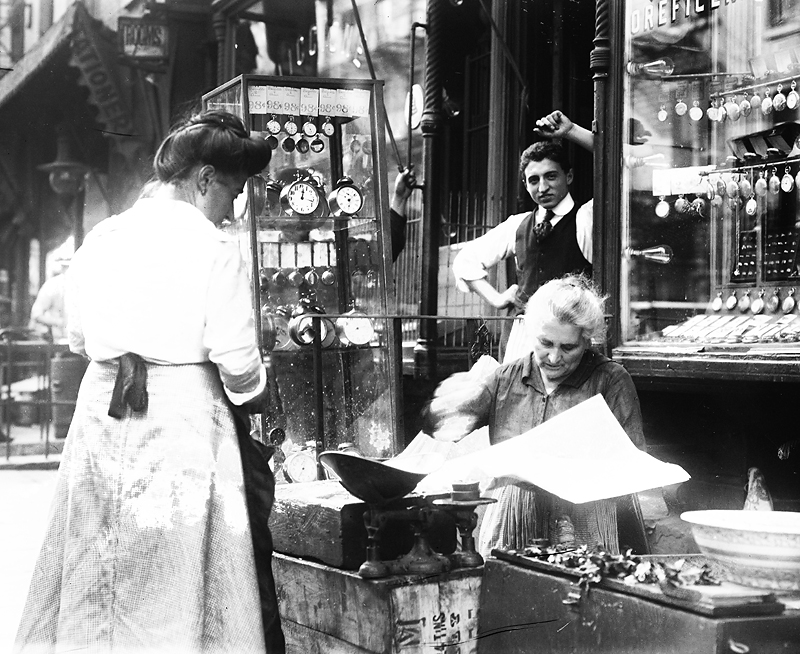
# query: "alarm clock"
x,y
354,328
346,198
301,198
305,318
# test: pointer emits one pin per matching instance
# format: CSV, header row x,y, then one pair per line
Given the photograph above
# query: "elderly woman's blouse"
x,y
514,399
160,281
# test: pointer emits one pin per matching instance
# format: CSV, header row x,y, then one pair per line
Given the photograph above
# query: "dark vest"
x,y
554,257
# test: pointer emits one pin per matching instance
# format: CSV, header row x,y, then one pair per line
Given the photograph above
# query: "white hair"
x,y
573,300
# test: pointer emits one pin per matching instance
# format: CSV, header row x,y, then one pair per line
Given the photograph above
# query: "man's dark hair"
x,y
541,150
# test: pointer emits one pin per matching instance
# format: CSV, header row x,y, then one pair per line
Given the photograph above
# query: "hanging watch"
x,y
300,197
732,301
761,185
695,113
346,198
792,98
273,126
774,301
744,302
662,113
327,127
766,103
774,182
317,145
755,101
787,181
310,128
758,304
290,127
745,107
662,208
716,304
787,306
779,99
680,108
732,108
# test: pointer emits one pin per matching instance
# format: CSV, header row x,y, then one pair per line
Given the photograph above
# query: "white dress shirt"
x,y
160,281
480,254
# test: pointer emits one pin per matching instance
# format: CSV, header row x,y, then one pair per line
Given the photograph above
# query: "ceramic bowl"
x,y
753,548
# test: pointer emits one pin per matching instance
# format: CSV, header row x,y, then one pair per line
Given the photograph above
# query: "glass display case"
x,y
313,228
710,177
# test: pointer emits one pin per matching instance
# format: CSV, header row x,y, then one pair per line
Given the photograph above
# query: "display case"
x,y
711,169
314,231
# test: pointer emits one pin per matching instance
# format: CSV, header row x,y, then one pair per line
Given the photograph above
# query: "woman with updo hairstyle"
x,y
563,318
150,545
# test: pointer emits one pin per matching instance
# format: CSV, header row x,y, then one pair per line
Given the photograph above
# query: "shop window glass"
x,y
710,172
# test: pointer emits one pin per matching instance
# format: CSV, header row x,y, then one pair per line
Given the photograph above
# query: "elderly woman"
x,y
149,548
562,318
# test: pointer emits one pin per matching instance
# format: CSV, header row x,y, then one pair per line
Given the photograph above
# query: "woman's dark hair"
x,y
215,138
541,150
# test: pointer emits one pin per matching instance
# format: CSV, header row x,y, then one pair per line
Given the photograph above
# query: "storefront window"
x,y
710,171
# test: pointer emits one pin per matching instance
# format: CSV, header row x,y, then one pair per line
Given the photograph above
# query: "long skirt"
x,y
148,548
524,512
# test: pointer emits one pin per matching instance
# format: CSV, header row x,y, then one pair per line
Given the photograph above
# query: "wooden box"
x,y
320,520
521,605
329,611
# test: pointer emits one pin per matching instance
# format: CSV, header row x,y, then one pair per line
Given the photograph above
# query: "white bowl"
x,y
752,548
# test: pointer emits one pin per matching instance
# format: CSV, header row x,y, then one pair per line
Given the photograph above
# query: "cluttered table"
x,y
525,600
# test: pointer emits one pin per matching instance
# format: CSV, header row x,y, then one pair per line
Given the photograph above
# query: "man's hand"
x,y
404,184
509,299
554,125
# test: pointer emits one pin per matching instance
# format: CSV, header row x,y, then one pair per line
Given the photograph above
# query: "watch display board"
x,y
710,174
313,230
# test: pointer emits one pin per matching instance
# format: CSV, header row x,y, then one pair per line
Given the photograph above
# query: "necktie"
x,y
543,229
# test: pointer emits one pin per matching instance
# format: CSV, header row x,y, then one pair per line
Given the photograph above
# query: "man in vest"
x,y
552,240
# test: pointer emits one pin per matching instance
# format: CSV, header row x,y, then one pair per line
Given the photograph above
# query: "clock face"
x,y
273,126
302,198
309,128
349,199
327,128
301,467
355,330
290,127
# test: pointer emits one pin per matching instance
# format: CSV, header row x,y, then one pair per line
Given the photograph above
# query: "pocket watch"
x,y
301,198
301,466
310,127
346,198
327,127
290,127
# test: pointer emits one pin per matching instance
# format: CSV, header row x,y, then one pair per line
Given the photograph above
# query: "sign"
x,y
143,39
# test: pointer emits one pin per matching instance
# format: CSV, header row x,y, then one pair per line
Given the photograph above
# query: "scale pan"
x,y
373,482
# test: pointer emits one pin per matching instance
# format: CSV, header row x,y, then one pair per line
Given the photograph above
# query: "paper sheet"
x,y
580,455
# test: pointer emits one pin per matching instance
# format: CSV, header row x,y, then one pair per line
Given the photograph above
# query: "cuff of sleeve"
x,y
240,398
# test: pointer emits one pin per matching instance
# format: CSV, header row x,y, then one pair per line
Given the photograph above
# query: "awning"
x,y
91,47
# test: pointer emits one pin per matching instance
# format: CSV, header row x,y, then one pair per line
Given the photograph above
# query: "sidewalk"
x,y
29,448
23,520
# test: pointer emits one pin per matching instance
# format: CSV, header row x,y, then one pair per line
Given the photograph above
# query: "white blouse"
x,y
160,281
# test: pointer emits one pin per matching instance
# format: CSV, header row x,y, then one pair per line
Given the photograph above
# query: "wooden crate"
x,y
325,610
521,606
320,520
